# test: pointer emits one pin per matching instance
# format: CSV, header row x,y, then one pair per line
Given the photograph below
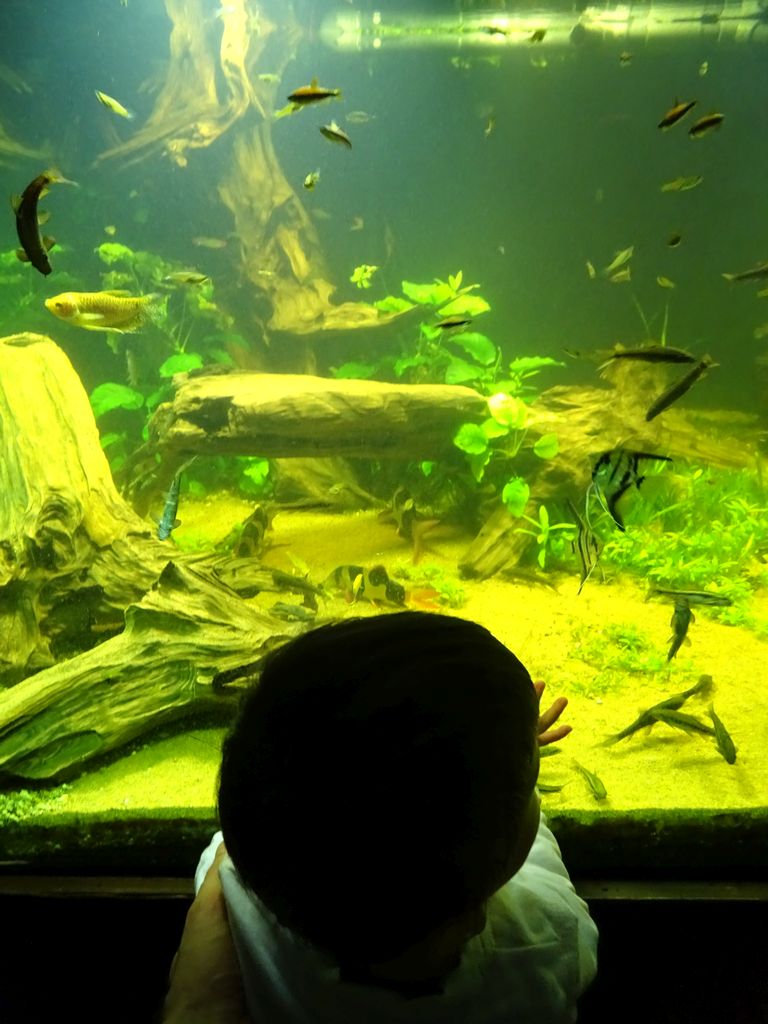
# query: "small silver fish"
x,y
334,133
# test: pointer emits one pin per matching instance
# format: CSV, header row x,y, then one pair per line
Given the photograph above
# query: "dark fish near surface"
x,y
676,113
33,247
334,133
705,124
168,520
755,274
586,546
652,354
723,740
613,474
682,617
695,596
679,388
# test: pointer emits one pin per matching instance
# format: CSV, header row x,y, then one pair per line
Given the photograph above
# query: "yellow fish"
x,y
114,105
106,311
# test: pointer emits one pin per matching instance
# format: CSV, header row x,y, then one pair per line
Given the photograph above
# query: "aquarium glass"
x,y
334,308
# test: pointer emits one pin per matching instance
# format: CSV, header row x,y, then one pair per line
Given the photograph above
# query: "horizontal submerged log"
x,y
279,415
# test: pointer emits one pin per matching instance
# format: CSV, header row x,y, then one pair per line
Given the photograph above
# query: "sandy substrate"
x,y
576,643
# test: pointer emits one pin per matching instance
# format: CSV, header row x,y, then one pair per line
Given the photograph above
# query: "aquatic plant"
x,y
701,529
550,537
361,276
447,588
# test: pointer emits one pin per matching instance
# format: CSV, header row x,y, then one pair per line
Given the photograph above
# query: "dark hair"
x,y
373,785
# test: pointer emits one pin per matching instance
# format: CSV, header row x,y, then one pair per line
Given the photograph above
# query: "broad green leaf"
x,y
459,371
470,438
465,305
426,467
427,294
477,345
113,252
355,371
492,428
528,365
547,446
180,363
454,280
114,396
107,440
407,363
510,412
477,464
257,471
393,304
515,495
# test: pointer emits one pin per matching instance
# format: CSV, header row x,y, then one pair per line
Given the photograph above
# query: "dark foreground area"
x,y
105,958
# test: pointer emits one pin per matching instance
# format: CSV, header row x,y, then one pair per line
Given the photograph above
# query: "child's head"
x,y
378,778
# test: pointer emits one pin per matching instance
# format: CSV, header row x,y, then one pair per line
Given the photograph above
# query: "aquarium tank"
x,y
325,308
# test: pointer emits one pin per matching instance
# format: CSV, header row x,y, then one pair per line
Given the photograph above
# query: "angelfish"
x,y
613,474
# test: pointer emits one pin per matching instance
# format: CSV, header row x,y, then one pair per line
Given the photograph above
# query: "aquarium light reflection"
x,y
745,20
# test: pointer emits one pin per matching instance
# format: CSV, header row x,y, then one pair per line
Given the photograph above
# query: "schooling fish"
x,y
676,113
651,354
106,311
596,785
647,719
679,388
723,740
311,180
619,260
114,105
334,133
34,247
682,617
686,723
312,93
682,184
613,474
168,520
755,274
705,124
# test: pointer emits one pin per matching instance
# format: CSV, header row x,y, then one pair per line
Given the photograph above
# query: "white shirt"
x,y
536,955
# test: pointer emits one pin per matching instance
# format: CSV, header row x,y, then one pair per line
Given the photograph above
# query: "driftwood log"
x,y
592,420
77,565
278,415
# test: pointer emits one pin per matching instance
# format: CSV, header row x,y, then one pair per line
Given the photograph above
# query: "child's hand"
x,y
205,984
546,720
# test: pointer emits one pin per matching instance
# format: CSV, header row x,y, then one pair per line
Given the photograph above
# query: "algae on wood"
x,y
278,414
